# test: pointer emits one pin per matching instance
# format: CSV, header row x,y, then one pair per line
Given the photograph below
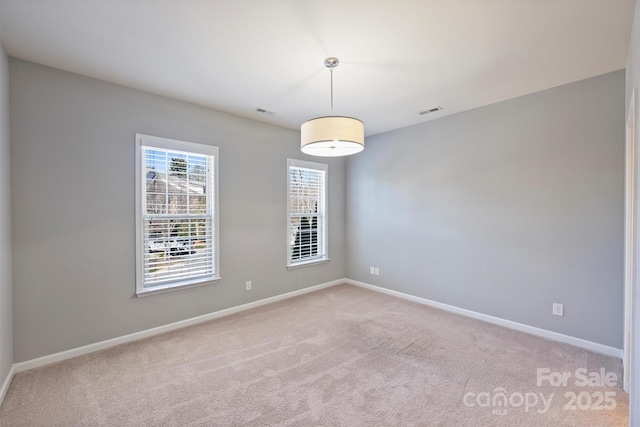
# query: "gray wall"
x,y
633,81
73,210
502,210
6,314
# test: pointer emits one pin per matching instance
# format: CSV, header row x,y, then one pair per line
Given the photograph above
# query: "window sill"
x,y
175,287
307,263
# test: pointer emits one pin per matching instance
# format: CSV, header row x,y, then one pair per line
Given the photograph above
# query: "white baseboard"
x,y
79,351
555,336
6,383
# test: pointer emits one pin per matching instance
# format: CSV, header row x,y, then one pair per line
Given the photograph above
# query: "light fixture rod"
x,y
331,63
331,70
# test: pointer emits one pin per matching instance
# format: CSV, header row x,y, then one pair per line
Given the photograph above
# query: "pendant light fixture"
x,y
332,136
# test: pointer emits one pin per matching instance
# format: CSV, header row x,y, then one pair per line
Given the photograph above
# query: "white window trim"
x,y
317,166
140,180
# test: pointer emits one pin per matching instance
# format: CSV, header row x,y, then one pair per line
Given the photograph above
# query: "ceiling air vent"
x,y
430,110
263,111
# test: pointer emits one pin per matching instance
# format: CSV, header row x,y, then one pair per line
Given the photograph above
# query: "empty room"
x,y
319,213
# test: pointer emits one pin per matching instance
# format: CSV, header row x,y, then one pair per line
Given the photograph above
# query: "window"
x,y
307,207
176,214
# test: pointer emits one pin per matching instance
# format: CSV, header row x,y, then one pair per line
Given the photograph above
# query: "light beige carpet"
x,y
341,356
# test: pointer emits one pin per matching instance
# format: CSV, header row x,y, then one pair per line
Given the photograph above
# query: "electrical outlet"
x,y
377,271
372,270
248,285
558,309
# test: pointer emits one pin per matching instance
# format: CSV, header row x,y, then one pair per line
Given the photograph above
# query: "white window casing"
x,y
176,214
306,213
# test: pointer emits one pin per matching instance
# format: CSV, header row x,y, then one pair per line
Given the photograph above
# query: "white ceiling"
x,y
397,58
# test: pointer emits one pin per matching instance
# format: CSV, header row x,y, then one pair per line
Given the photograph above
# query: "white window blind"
x,y
177,235
307,224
